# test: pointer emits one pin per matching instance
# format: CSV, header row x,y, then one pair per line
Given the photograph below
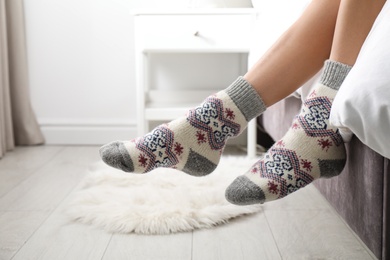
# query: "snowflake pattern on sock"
x,y
284,171
215,123
158,149
314,119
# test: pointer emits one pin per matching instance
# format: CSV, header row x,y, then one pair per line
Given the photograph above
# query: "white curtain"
x,y
18,125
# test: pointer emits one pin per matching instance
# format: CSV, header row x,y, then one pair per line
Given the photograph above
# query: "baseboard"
x,y
87,135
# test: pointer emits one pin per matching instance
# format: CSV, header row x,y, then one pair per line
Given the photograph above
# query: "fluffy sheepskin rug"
x,y
160,202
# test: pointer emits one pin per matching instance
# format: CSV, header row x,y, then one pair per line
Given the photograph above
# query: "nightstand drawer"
x,y
193,32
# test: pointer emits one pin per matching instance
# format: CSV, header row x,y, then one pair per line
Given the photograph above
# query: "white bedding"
x,y
362,103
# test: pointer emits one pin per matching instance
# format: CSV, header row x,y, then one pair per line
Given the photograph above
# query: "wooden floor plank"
x,y
58,239
247,237
150,247
21,164
313,234
49,186
15,229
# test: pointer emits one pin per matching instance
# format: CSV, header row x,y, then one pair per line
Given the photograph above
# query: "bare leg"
x,y
354,22
297,55
312,148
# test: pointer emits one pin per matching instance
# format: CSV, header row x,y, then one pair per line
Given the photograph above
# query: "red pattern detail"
x,y
295,126
200,137
142,160
313,94
230,114
178,148
280,143
306,165
273,168
272,187
254,170
156,148
325,144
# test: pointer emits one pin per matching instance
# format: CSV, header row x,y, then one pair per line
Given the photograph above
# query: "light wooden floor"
x,y
35,183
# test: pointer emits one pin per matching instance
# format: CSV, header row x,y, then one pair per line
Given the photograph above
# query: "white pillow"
x,y
363,101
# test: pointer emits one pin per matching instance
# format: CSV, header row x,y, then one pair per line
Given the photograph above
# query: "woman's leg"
x,y
312,148
354,22
297,55
194,143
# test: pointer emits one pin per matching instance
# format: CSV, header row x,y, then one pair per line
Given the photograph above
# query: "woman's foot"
x,y
311,149
193,143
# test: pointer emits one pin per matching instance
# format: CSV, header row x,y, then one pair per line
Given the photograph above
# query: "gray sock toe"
x,y
243,191
116,155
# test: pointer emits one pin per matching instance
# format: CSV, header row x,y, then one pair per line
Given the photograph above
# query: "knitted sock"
x,y
193,143
310,149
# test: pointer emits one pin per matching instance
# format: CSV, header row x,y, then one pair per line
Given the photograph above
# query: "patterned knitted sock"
x,y
310,149
193,143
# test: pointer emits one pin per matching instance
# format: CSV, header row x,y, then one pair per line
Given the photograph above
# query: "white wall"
x,y
82,70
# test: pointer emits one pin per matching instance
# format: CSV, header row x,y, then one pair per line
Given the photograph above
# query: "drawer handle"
x,y
196,33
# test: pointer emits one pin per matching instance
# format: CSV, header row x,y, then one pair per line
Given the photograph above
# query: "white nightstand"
x,y
224,30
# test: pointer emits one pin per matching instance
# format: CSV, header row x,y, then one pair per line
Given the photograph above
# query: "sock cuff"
x,y
334,74
246,98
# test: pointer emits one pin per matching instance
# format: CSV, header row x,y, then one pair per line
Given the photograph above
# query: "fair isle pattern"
x,y
158,149
311,148
284,171
295,160
315,121
217,123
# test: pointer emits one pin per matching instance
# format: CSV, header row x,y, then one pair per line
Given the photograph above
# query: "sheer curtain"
x,y
18,125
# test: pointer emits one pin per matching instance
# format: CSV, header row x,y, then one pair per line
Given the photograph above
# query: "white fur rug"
x,y
160,202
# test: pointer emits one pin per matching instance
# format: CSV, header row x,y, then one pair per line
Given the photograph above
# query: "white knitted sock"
x,y
311,148
193,143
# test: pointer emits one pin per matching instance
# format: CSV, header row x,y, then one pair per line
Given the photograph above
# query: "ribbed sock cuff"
x,y
246,98
334,74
